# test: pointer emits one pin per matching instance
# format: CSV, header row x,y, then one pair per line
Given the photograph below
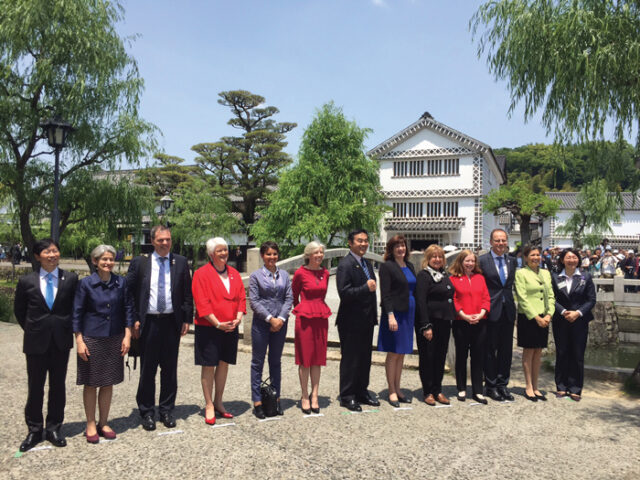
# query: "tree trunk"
x,y
525,230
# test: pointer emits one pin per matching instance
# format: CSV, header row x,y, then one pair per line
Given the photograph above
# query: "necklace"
x,y
220,272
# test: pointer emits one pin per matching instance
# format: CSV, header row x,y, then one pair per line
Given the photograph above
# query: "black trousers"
x,y
355,361
432,356
159,344
53,362
499,350
467,338
571,343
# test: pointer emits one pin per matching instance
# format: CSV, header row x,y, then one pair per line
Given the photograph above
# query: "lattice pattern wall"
x,y
431,152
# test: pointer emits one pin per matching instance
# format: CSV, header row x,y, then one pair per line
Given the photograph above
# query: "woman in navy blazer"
x,y
575,298
271,299
102,321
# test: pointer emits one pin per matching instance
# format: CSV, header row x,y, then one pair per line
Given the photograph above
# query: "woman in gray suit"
x,y
271,299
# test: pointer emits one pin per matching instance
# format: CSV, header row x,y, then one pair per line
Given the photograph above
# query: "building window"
x,y
408,209
428,209
442,209
435,167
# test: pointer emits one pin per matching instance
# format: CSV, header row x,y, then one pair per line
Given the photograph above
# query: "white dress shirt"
x,y
43,282
153,294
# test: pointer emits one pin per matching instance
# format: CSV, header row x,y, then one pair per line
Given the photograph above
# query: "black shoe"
x,y
148,423
404,399
540,397
168,420
56,439
482,400
505,394
258,411
314,410
279,410
493,394
368,400
351,405
306,411
394,403
33,438
533,399
461,397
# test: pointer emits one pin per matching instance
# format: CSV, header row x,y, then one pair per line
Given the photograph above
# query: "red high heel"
x,y
223,414
210,421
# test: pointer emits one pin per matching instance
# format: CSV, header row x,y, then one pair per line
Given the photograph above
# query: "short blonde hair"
x,y
310,249
432,251
214,242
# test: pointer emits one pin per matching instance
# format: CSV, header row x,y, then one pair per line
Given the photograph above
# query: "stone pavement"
x,y
598,438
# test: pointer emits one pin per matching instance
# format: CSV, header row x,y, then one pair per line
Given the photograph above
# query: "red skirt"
x,y
311,341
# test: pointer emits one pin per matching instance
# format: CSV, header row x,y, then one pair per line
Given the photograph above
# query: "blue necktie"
x,y
162,302
503,279
365,269
49,292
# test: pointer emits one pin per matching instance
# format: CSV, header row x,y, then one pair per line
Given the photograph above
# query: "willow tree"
x,y
577,61
333,188
64,57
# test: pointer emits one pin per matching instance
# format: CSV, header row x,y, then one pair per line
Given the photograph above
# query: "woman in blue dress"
x,y
397,283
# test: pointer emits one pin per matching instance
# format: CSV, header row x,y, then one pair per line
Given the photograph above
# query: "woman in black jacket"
x,y
434,314
575,296
397,283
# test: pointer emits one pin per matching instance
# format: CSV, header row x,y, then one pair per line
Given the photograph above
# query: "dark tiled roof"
x,y
501,160
569,200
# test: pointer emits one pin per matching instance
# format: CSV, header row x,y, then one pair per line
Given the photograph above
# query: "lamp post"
x,y
56,131
165,204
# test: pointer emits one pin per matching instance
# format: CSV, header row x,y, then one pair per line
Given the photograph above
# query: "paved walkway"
x,y
598,438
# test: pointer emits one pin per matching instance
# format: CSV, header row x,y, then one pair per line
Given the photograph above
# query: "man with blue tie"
x,y
499,271
357,316
43,307
161,286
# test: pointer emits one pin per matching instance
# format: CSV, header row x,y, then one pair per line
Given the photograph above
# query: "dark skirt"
x,y
213,345
530,334
105,365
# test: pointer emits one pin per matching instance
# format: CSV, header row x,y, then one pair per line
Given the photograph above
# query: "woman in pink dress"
x,y
309,288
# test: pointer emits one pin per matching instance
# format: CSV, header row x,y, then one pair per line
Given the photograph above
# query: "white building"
x,y
434,178
625,233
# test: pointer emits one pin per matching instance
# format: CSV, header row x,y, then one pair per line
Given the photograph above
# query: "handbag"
x,y
134,352
269,398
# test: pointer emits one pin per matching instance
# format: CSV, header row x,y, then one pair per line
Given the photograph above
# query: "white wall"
x,y
463,180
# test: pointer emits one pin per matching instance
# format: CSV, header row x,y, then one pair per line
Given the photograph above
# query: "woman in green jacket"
x,y
536,304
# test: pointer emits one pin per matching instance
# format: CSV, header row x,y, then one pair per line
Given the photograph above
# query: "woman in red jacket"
x,y
219,296
472,302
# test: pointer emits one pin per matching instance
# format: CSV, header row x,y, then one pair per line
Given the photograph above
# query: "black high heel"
x,y
306,411
314,410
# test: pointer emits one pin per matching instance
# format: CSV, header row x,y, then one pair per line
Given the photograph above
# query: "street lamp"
x,y
165,204
56,131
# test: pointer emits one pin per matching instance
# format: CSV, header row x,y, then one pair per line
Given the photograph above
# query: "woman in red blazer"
x,y
219,296
472,302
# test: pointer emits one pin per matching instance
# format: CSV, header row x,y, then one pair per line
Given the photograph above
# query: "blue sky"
x,y
385,62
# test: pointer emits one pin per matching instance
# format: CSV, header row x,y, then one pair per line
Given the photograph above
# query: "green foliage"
x,y
568,167
102,211
65,57
166,175
246,166
576,60
522,202
596,208
6,307
197,215
334,187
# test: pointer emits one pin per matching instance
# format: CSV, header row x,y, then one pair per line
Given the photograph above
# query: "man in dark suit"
x,y
499,272
356,318
44,306
161,287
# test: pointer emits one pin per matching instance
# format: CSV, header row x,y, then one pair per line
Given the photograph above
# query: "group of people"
x,y
153,306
